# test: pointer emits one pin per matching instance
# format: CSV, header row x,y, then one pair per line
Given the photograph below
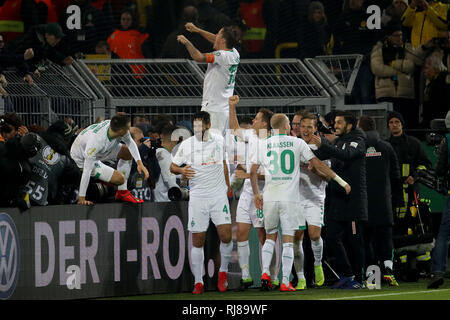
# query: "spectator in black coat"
x,y
347,213
173,49
383,187
47,41
15,169
315,34
8,58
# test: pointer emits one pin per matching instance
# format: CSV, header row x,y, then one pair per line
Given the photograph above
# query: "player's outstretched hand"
x,y
258,201
347,188
191,27
84,202
316,140
233,100
182,39
188,172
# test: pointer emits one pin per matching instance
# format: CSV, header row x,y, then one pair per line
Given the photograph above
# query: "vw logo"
x,y
9,256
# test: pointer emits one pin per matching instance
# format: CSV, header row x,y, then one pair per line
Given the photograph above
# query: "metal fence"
x,y
98,88
150,87
54,95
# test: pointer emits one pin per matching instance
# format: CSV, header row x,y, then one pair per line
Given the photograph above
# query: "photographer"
x,y
15,169
166,179
53,171
440,252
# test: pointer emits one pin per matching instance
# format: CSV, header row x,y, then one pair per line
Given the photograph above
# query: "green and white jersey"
x,y
281,155
219,81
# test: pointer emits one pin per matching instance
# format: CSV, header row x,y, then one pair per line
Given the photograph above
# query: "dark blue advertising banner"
x,y
73,252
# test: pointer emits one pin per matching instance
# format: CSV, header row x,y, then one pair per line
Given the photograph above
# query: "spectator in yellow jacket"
x,y
427,20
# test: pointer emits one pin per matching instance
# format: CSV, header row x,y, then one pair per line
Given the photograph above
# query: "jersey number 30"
x,y
279,162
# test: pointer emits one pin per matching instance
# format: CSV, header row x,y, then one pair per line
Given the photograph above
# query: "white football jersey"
x,y
281,155
166,179
219,80
312,186
206,159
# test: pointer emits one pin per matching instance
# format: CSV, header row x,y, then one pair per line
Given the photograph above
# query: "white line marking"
x,y
387,294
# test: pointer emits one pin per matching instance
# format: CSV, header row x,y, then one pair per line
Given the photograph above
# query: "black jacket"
x,y
15,171
409,151
348,160
35,38
9,58
383,180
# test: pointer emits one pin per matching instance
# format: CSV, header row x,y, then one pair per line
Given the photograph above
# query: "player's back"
x,y
95,136
283,155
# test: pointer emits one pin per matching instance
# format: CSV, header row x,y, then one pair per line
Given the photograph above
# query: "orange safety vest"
x,y
11,24
128,45
251,13
51,11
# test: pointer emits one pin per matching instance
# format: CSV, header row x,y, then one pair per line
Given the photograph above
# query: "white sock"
x,y
244,257
299,259
198,258
317,249
124,167
389,264
267,253
287,260
225,255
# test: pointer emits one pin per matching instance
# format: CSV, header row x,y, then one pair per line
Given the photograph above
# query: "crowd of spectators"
x,y
405,62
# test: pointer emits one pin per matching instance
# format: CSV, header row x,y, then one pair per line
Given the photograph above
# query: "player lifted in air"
x,y
203,155
101,142
220,76
281,155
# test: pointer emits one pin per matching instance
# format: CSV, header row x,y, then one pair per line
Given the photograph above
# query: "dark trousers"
x,y
379,245
345,243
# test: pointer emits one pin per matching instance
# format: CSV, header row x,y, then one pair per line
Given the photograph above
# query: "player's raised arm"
x,y
233,120
254,181
193,51
211,37
324,171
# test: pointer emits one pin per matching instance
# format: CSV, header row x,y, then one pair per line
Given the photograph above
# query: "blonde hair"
x,y
278,121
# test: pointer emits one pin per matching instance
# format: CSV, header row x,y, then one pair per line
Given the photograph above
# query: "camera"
x,y
322,128
100,192
431,180
176,193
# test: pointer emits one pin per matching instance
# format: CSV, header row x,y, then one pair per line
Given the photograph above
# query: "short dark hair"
x,y
310,116
13,119
167,129
119,121
367,123
301,112
232,36
206,118
348,117
266,116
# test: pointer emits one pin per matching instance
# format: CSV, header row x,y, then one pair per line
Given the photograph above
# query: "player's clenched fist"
x,y
233,100
191,27
182,39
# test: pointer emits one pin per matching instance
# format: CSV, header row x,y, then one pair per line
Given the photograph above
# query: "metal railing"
x,y
54,95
